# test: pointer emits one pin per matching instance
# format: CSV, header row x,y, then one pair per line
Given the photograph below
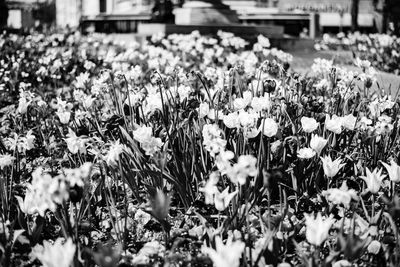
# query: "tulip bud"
x,y
269,86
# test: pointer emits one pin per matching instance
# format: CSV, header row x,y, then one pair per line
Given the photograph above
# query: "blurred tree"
x,y
354,14
3,13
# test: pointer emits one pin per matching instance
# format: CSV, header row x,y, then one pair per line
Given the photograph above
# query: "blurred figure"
x,y
3,13
162,11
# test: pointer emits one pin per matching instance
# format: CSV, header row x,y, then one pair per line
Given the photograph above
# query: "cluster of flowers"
x,y
382,50
192,150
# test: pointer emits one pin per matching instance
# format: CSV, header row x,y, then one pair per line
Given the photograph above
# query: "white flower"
x,y
23,104
374,247
204,109
239,103
6,160
227,255
260,103
318,143
133,99
55,255
245,167
349,122
64,116
333,124
77,176
393,170
75,144
149,143
222,161
269,127
342,263
373,180
43,193
231,120
305,153
341,196
212,139
317,229
309,124
210,188
81,80
263,41
112,156
331,168
222,200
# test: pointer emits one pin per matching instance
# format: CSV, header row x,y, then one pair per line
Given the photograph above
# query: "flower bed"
x,y
381,50
192,151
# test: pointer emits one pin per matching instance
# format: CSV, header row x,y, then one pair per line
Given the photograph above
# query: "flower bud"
x,y
269,86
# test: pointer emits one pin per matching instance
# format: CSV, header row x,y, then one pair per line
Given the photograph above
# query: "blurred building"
x,y
123,15
20,13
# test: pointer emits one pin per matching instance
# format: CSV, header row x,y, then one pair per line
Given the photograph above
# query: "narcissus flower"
x,y
317,228
331,168
112,156
373,180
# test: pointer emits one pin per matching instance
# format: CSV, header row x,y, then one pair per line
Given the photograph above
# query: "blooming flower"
x,y
75,144
331,168
222,200
212,140
149,143
341,196
210,188
6,160
44,193
309,124
245,167
204,109
373,180
55,255
393,170
374,247
269,127
333,124
305,153
318,143
227,255
77,176
112,156
349,122
317,228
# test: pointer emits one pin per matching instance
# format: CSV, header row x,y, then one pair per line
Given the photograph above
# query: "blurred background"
x,y
304,18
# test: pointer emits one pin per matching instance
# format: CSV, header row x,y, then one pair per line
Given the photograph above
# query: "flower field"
x,y
382,50
192,150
